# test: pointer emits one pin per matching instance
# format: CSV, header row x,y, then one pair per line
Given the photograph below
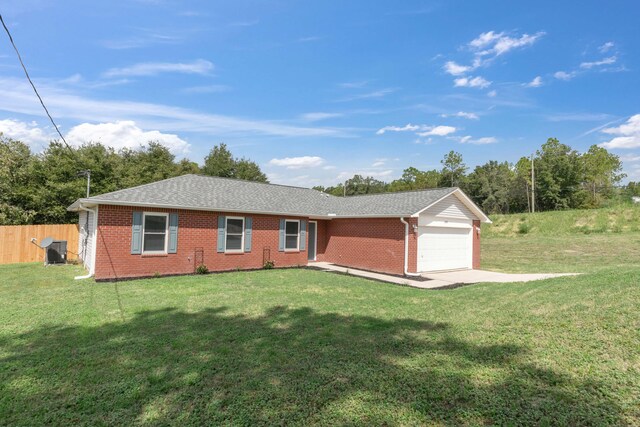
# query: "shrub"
x,y
268,265
524,228
202,269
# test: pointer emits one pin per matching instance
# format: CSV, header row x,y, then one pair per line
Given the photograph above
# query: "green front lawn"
x,y
306,347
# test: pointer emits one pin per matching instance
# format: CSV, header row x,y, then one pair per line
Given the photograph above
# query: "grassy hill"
x,y
563,241
617,219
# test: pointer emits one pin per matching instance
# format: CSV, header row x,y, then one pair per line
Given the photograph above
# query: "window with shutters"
x,y
154,233
234,240
291,235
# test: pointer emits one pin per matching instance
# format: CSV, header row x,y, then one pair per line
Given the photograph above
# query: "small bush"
x,y
268,265
202,269
524,228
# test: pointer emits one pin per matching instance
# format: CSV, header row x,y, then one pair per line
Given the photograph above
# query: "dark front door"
x,y
312,241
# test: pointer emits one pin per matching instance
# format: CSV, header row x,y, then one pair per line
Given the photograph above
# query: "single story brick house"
x,y
171,226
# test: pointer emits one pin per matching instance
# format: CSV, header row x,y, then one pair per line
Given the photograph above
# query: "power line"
x,y
34,86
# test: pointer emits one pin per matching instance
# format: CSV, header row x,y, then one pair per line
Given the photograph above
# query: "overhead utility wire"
x,y
34,86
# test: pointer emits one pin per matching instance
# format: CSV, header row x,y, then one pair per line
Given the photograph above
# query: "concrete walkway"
x,y
449,279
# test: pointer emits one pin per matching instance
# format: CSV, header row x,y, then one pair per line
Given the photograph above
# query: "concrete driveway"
x,y
448,279
478,276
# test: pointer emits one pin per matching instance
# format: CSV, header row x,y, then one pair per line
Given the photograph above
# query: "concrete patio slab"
x,y
448,279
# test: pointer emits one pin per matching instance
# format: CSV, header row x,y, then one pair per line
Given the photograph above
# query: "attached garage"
x,y
445,235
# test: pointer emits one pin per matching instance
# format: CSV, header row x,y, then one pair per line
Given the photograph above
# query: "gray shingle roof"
x,y
232,195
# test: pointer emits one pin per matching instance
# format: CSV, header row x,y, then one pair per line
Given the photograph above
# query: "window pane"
x,y
155,223
291,227
291,242
234,226
154,242
234,242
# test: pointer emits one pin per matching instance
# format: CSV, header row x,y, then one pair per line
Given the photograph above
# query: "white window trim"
x,y
166,232
226,233
297,248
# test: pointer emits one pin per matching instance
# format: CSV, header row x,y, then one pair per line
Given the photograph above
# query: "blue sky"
x,y
316,91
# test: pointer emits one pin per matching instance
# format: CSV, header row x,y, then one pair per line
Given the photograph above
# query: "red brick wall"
x,y
476,244
375,244
196,229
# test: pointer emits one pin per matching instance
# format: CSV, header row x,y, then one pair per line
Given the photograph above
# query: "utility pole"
x,y
533,186
344,189
86,173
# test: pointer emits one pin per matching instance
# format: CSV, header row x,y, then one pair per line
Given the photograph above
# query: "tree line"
x,y
563,179
36,188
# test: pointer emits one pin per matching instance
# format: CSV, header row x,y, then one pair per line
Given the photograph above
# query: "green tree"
x,y
602,171
361,185
453,170
490,186
559,173
15,182
249,170
220,162
415,179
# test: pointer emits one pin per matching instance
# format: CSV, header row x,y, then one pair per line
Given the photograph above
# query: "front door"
x,y
313,237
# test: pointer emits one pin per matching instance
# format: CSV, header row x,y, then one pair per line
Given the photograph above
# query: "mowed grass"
x,y
302,347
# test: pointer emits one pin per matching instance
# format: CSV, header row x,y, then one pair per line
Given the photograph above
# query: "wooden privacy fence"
x,y
16,245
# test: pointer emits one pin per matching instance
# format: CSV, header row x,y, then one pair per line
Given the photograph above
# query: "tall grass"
x,y
616,219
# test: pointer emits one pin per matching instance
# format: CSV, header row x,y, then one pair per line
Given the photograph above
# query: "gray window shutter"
x,y
281,236
303,234
136,234
173,233
221,233
248,225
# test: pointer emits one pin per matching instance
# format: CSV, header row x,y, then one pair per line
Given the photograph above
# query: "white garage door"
x,y
444,248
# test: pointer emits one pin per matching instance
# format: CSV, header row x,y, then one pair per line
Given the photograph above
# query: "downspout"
x,y
92,269
406,250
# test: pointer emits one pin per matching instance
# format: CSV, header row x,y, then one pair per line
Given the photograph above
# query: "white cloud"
x,y
628,134
492,43
369,95
17,97
124,134
606,47
407,128
456,69
378,164
121,134
536,82
329,167
298,162
314,117
606,61
29,133
439,131
492,94
478,141
478,82
421,130
206,89
563,75
462,114
355,85
199,66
